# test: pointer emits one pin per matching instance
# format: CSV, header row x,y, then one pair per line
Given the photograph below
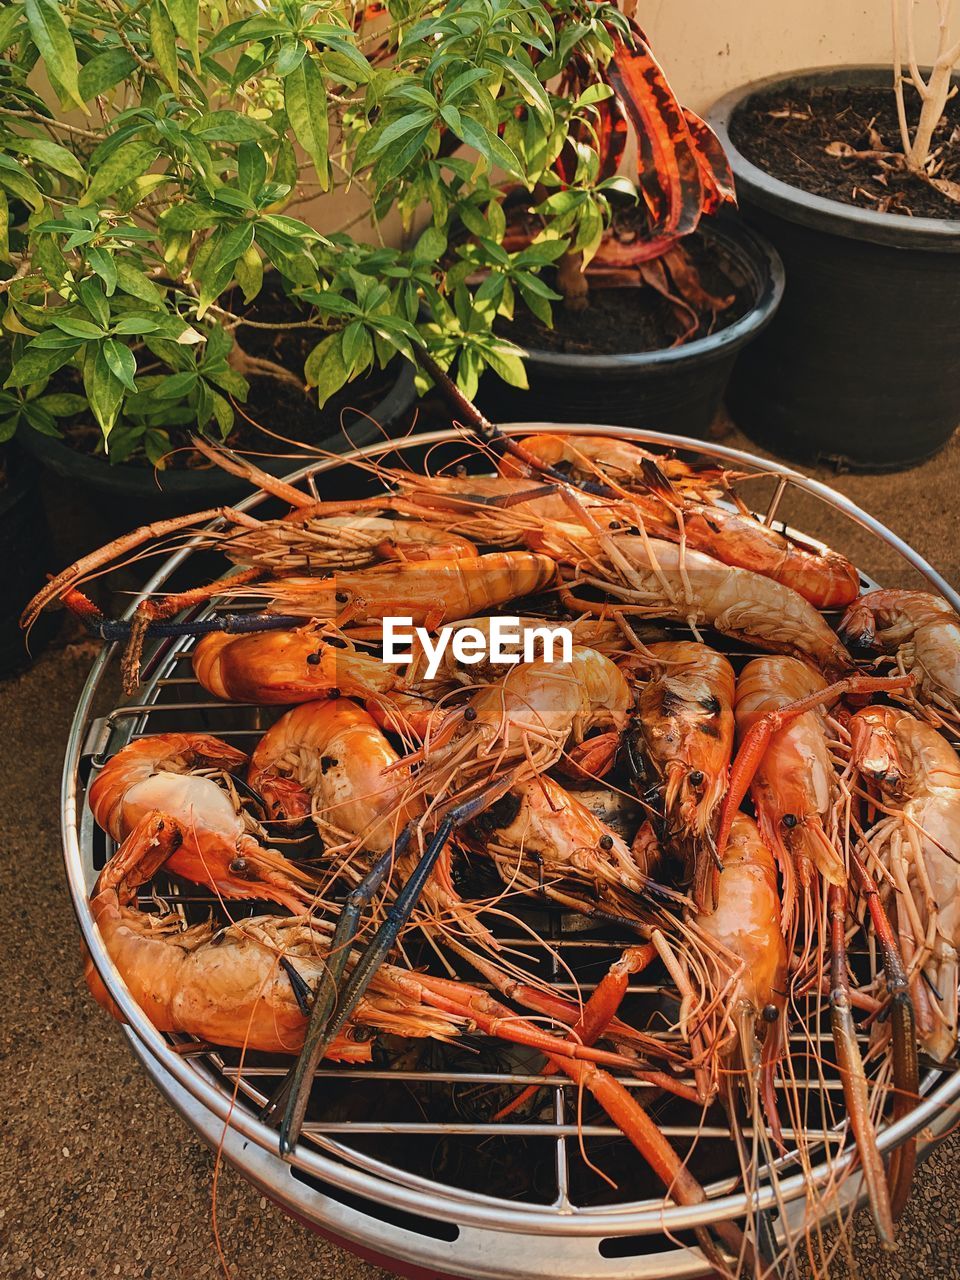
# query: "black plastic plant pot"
x,y
861,365
131,495
677,389
24,559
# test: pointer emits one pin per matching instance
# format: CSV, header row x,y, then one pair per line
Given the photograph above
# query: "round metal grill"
x,y
405,1155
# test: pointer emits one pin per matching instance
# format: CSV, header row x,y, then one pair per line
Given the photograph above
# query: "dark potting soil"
x,y
278,406
787,132
627,319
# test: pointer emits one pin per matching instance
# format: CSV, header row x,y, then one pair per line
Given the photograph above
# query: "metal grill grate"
x,y
417,1127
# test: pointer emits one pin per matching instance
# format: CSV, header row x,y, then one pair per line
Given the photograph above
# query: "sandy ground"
x,y
98,1177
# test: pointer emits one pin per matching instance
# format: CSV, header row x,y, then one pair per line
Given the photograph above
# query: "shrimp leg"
x,y
906,1068
332,1010
852,1073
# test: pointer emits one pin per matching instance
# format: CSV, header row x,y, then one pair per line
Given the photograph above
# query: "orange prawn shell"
x,y
685,715
747,916
277,668
795,783
338,753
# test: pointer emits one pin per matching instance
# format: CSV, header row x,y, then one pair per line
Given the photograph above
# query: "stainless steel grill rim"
x,y
196,1088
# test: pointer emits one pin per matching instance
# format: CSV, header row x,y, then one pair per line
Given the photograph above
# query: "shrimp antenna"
x,y
490,434
333,1004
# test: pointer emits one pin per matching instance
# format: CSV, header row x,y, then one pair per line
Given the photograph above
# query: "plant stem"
x,y
572,281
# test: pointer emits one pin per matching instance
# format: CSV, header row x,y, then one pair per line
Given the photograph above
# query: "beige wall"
x,y
709,46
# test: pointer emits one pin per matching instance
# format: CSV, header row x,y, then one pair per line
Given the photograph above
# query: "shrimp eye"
x,y
342,597
606,842
614,524
238,866
696,778
790,820
770,1013
470,714
313,659
333,693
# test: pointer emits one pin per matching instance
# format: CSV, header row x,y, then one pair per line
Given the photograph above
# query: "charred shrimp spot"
x,y
770,1013
709,730
711,703
327,763
789,820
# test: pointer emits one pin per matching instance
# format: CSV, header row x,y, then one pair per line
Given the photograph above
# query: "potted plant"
x,y
156,283
142,218
854,174
659,285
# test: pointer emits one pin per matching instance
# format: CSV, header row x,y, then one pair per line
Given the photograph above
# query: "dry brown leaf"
x,y
841,150
947,188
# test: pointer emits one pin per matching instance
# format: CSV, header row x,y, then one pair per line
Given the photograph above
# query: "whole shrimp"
x,y
526,720
794,787
924,632
285,667
683,731
220,847
429,592
917,773
746,922
661,579
330,761
543,840
680,509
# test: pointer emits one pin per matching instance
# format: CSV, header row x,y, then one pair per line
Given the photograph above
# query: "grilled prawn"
x,y
683,733
221,846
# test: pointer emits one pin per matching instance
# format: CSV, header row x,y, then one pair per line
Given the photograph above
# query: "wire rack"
x,y
406,1151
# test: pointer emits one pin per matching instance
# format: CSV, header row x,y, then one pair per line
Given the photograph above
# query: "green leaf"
x,y
121,362
177,385
106,268
163,41
137,325
53,156
185,15
431,246
52,37
216,271
4,228
227,126
325,368
128,161
37,364
74,327
137,285
507,363
249,273
9,22
104,391
63,404
92,297
489,145
251,168
103,71
305,98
